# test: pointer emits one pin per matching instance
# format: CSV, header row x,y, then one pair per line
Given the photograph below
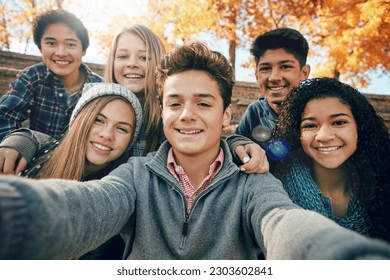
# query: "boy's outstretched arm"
x,y
307,235
60,219
284,230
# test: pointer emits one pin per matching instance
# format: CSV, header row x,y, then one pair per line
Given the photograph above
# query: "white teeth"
x,y
328,149
101,147
62,62
189,132
133,76
276,88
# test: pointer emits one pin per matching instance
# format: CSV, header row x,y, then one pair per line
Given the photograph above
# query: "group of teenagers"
x,y
133,165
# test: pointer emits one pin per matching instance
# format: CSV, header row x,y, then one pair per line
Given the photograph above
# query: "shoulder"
x,y
33,70
258,108
134,165
91,76
256,105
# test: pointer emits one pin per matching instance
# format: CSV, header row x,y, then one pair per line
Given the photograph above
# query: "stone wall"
x,y
11,63
243,93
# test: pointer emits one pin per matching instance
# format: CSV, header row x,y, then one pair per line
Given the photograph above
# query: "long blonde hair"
x,y
67,161
155,50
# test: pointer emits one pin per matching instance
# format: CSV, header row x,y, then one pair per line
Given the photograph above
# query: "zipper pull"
x,y
185,226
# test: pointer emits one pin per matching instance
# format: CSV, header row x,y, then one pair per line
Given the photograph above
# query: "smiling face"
x,y
130,62
62,51
193,115
277,73
328,132
110,135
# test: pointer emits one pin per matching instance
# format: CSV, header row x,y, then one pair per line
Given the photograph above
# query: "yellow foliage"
x,y
351,37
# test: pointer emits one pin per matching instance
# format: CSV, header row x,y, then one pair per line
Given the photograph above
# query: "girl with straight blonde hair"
x,y
147,57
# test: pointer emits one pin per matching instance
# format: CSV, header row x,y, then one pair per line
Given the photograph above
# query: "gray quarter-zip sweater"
x,y
234,218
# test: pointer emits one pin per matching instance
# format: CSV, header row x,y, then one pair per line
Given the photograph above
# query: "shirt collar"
x,y
177,171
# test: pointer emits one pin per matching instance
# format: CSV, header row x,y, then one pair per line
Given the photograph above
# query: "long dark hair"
x,y
372,156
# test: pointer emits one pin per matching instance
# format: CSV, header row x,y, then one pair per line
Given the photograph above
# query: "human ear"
x,y
305,72
227,116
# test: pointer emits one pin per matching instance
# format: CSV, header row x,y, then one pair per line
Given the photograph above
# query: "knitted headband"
x,y
92,91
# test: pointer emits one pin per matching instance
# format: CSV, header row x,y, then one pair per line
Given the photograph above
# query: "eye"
x,y
99,120
204,104
264,68
286,66
173,104
49,43
72,45
143,58
122,57
339,122
122,129
308,125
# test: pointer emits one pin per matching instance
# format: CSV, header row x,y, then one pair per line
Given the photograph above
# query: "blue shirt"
x,y
38,96
258,113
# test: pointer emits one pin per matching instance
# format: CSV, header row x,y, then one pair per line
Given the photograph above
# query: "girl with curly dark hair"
x,y
339,163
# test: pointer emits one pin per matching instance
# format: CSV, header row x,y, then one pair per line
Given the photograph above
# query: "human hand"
x,y
253,157
11,161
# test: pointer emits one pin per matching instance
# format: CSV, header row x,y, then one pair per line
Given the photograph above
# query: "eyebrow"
x,y
279,62
124,123
204,95
67,39
331,116
125,50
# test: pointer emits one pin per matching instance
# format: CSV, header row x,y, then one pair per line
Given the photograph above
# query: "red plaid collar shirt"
x,y
189,191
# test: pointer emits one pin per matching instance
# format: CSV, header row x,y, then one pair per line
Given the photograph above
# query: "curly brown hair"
x,y
372,156
197,56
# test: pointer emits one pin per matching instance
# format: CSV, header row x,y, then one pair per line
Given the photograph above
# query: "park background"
x,y
348,39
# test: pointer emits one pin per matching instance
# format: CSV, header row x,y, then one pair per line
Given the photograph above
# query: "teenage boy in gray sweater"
x,y
188,200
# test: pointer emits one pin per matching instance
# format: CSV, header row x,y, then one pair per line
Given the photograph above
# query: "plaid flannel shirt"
x,y
38,96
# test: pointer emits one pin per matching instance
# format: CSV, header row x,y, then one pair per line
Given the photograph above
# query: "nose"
x,y
275,75
188,113
132,61
325,133
106,132
61,50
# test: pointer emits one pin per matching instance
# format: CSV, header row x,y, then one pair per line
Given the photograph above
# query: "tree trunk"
x,y
232,56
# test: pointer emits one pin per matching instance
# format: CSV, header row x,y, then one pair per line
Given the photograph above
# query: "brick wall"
x,y
11,63
243,92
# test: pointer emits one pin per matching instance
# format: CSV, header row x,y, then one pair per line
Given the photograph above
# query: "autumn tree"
x,y
350,38
16,17
354,36
236,21
4,27
177,21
